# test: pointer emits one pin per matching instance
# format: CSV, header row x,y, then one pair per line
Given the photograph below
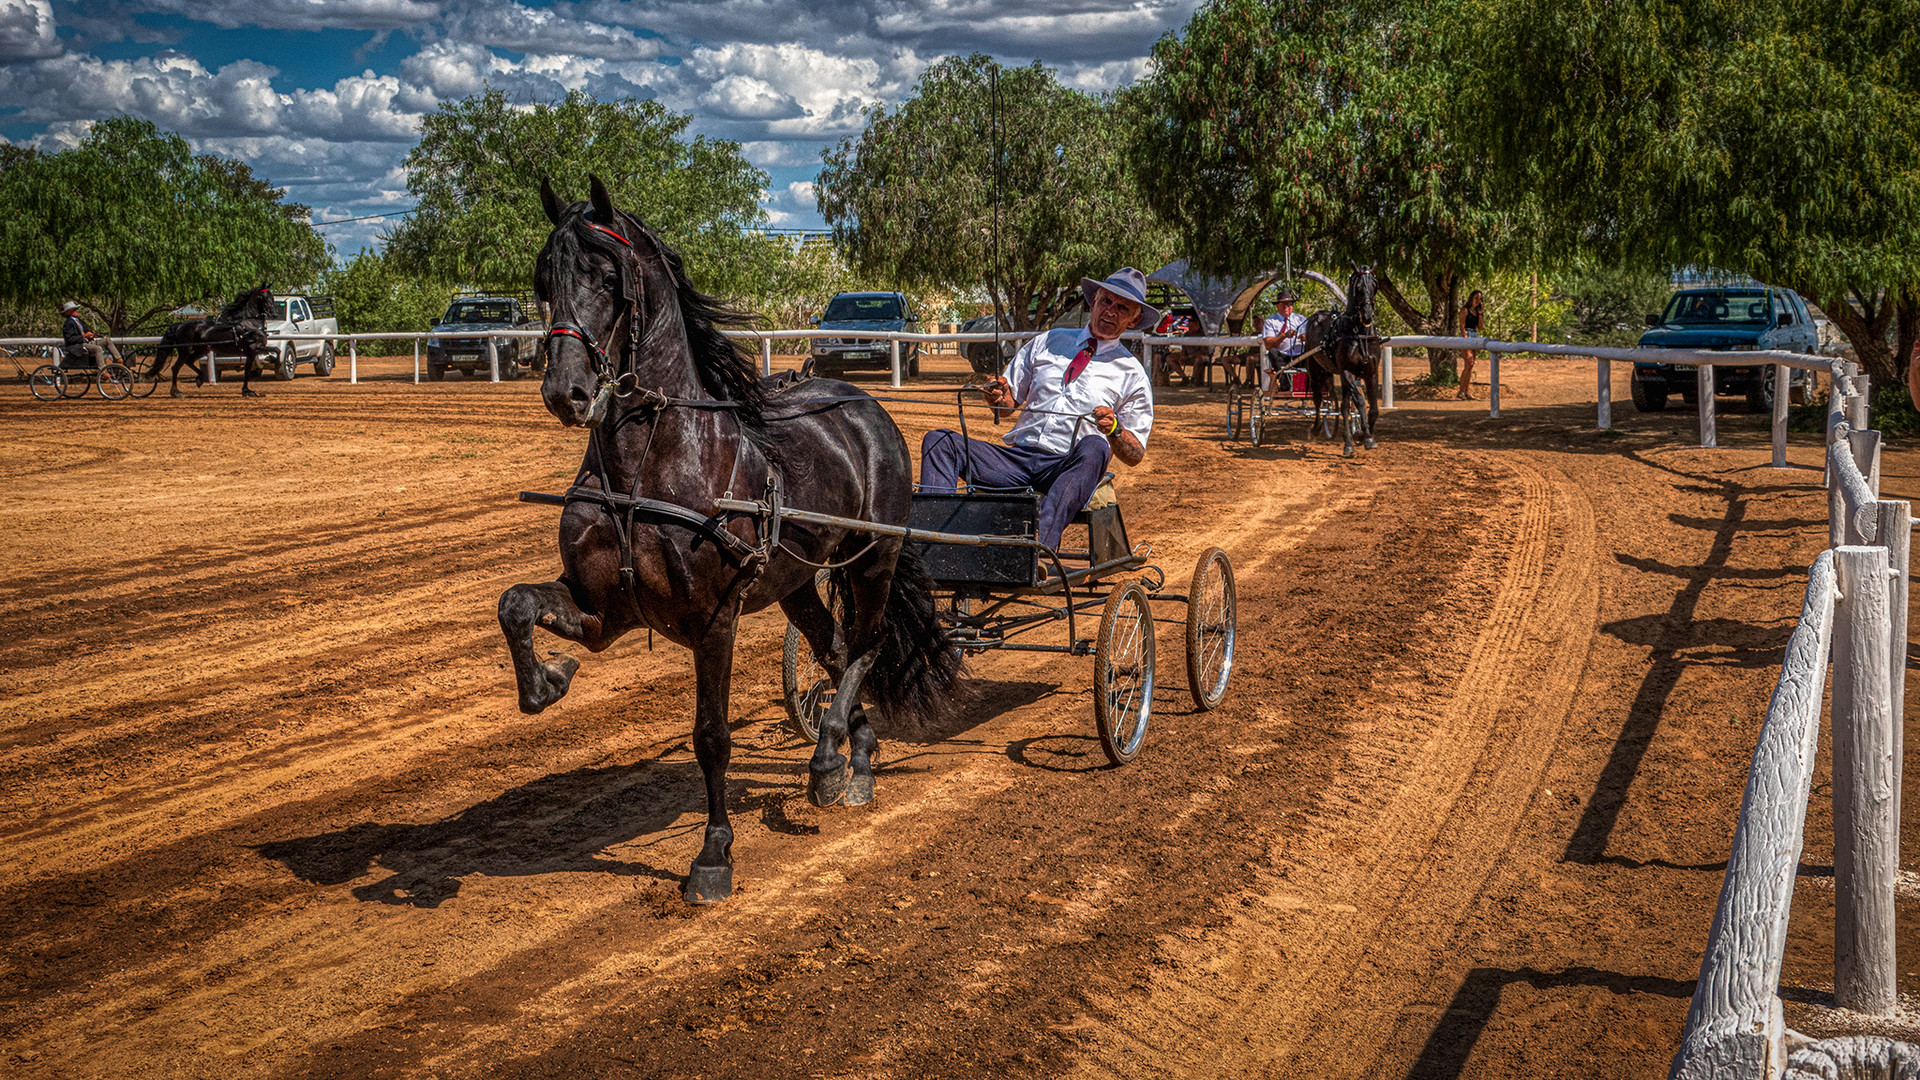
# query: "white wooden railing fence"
x,y
1854,618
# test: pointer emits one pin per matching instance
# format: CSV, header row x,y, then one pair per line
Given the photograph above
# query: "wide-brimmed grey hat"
x,y
69,306
1127,284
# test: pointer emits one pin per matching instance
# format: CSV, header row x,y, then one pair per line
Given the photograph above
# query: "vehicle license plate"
x,y
462,358
858,355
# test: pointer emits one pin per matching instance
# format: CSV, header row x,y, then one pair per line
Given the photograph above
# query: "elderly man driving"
x,y
1082,400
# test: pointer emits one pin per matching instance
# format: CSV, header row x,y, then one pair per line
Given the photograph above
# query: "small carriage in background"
x,y
995,584
69,378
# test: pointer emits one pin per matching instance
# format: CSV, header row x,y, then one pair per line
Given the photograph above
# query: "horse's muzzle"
x,y
579,404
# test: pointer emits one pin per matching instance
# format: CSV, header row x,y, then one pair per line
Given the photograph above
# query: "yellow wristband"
x,y
1115,429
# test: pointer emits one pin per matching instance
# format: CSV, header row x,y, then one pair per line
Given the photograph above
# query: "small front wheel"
x,y
48,383
115,382
805,687
1211,607
1123,673
1236,411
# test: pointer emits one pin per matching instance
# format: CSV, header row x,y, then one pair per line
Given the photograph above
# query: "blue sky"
x,y
324,97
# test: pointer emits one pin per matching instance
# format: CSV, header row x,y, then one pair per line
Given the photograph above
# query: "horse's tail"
x,y
917,673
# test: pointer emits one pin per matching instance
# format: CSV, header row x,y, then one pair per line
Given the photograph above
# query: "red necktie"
x,y
1080,360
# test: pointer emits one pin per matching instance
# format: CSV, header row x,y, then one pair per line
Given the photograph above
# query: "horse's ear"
x,y
602,202
551,202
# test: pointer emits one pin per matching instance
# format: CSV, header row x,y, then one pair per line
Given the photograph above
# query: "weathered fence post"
x,y
1604,391
1386,377
1493,386
1861,398
1895,533
1703,387
1782,388
493,361
1865,832
896,362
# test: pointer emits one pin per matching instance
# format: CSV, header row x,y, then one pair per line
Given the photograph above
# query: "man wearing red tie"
x,y
1082,399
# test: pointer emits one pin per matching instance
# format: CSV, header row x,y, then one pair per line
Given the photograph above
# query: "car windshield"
x,y
848,308
1716,309
280,310
483,312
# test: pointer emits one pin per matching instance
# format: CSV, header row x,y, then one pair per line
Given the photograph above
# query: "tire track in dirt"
x,y
1374,888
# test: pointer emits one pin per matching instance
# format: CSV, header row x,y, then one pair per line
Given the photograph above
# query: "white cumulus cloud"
x,y
27,31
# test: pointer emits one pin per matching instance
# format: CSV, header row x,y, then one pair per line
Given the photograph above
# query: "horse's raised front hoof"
x,y
551,682
859,789
829,788
708,884
1370,445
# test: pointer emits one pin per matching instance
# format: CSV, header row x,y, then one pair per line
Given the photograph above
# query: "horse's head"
x,y
1360,297
593,273
253,305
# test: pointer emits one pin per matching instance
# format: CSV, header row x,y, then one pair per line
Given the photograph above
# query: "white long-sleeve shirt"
x,y
1113,377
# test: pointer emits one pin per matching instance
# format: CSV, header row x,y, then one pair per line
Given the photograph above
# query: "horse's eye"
x,y
612,282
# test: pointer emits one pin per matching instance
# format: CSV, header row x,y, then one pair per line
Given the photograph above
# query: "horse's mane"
x,y
726,372
251,304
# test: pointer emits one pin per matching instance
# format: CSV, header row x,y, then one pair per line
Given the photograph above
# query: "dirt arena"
x,y
267,808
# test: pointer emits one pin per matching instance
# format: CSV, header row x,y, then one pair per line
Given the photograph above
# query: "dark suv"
x,y
866,311
1736,318
460,338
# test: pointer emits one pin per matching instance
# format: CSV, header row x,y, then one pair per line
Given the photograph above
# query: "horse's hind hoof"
x,y
250,393
859,789
708,884
1370,445
830,788
176,393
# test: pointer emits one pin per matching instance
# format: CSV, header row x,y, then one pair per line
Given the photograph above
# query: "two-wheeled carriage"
x,y
995,585
113,380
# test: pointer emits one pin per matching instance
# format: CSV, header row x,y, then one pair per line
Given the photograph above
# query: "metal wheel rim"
x,y
115,382
1212,608
47,383
1124,679
71,387
143,382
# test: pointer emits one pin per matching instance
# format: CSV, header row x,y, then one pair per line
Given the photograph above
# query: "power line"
x,y
366,217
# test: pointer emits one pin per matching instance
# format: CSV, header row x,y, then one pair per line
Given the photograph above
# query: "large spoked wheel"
x,y
76,382
144,379
805,686
1211,610
1257,424
115,382
48,383
1123,673
1236,411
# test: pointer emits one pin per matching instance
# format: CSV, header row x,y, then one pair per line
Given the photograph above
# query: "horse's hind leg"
x,y
711,878
810,616
1373,404
549,605
1347,418
833,777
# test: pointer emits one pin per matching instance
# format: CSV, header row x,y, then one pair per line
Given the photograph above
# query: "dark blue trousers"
x,y
1064,481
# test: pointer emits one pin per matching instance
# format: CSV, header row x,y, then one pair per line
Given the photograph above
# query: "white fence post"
x,y
1865,832
1703,388
353,361
1493,386
493,361
896,361
1386,377
1895,533
1862,397
766,357
416,361
1603,389
1782,389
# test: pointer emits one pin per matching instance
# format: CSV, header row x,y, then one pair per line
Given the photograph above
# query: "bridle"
x,y
622,379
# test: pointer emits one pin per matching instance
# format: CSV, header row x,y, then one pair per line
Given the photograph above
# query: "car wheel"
x,y
913,360
435,373
1649,395
510,368
284,366
1760,392
323,364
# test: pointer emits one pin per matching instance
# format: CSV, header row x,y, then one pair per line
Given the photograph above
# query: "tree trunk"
x,y
1865,319
1438,320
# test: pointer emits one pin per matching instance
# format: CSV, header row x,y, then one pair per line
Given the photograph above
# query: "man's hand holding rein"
x,y
1125,445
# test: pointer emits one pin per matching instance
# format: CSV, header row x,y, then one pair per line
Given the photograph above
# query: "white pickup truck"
x,y
303,315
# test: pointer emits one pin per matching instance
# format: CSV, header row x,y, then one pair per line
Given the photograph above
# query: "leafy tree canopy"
x,y
131,223
476,174
370,294
1317,125
912,200
1776,139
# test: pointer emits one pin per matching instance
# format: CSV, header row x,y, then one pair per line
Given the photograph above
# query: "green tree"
x,y
371,295
131,224
980,153
1317,126
1775,139
476,173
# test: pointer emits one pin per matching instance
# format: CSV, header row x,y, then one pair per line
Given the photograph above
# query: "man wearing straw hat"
x,y
79,346
1082,398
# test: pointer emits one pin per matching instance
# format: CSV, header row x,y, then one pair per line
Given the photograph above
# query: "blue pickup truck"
x,y
1737,318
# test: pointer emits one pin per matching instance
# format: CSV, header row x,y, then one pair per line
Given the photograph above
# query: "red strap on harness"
x,y
611,233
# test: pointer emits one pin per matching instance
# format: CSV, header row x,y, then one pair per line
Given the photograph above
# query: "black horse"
x,y
240,327
678,417
1345,361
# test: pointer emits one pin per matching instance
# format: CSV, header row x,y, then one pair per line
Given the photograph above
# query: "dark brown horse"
x,y
1345,361
241,327
678,418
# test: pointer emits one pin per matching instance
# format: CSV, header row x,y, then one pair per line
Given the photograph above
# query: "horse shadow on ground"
x,y
564,822
1447,1050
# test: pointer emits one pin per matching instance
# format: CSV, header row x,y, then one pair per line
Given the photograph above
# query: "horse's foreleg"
x,y
549,605
1373,402
711,878
246,377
